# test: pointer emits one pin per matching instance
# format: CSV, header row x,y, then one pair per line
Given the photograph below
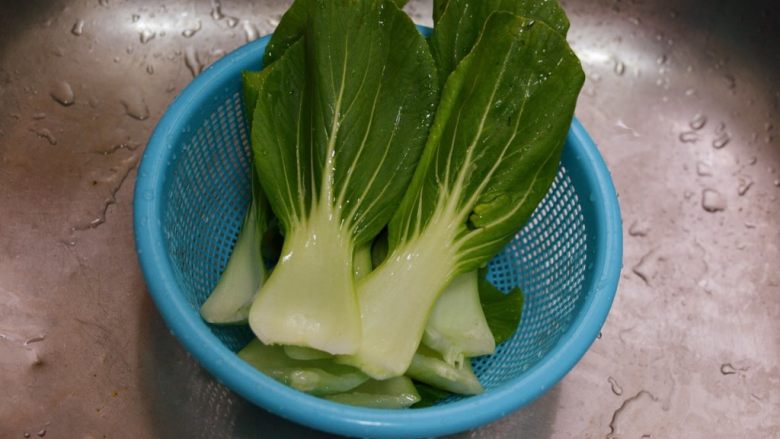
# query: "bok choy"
x,y
396,167
339,125
492,153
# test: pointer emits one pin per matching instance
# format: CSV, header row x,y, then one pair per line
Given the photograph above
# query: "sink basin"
x,y
682,98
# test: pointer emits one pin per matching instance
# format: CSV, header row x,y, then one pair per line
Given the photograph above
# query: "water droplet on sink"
x,y
721,140
624,127
216,10
42,433
192,61
777,183
712,201
45,133
731,82
689,137
639,229
103,2
231,21
250,31
727,369
698,122
619,68
646,267
62,92
745,183
188,33
135,106
135,18
616,389
690,92
146,35
703,169
661,59
150,69
78,28
39,115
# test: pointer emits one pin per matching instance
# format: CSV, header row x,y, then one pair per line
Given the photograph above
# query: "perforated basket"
x,y
190,198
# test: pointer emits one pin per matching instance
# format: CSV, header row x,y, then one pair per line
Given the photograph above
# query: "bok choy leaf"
x,y
460,22
395,393
491,156
245,272
339,125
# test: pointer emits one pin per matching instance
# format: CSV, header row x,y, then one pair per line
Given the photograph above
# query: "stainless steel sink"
x,y
682,98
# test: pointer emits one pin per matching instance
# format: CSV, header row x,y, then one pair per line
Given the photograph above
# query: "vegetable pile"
x,y
394,167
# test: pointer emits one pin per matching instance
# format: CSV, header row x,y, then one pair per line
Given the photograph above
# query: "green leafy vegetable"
x,y
389,197
294,24
245,272
457,327
428,367
251,82
379,249
362,264
491,156
438,10
460,22
317,377
338,128
395,393
302,353
502,311
429,395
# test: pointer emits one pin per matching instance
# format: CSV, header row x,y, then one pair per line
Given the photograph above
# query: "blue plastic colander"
x,y
191,195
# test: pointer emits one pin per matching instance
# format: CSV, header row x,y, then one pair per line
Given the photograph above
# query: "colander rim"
x,y
185,322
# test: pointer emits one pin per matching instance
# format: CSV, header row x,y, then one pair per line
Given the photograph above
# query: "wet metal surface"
x,y
682,98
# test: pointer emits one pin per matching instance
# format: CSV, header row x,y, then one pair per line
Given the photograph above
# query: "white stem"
x,y
309,299
397,297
